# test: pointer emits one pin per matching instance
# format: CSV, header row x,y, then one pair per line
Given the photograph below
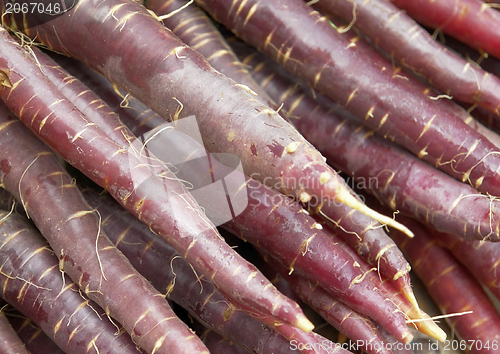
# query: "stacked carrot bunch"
x,y
152,102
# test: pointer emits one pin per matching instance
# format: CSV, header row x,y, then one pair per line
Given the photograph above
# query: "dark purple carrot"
x,y
471,21
275,223
479,257
31,281
218,344
195,28
413,47
10,343
453,289
36,341
354,326
344,67
281,226
163,204
173,84
397,178
32,173
171,274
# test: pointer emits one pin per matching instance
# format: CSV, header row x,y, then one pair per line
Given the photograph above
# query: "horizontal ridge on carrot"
x,y
86,147
169,76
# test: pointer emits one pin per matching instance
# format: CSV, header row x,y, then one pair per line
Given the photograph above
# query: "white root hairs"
x,y
19,185
164,17
9,213
338,225
349,26
96,242
440,317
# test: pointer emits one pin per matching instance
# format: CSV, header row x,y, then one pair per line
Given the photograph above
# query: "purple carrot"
x,y
10,343
218,344
276,223
36,341
471,21
269,148
32,173
32,282
171,274
344,67
397,178
411,45
354,326
258,225
195,28
170,211
453,289
479,257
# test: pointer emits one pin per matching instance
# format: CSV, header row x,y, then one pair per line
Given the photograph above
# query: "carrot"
x,y
395,177
195,28
480,258
10,343
277,224
443,275
358,328
33,337
321,59
170,273
411,45
269,148
218,344
363,234
31,171
470,21
169,211
32,282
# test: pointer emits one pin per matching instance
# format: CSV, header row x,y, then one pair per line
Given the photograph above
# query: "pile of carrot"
x,y
221,176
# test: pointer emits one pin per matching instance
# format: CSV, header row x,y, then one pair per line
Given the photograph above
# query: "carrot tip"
x,y
349,200
304,324
426,325
408,293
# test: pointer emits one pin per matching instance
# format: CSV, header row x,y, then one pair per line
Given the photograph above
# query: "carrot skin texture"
x,y
299,245
36,341
170,273
363,234
286,156
389,107
443,275
76,215
479,257
257,224
10,343
75,324
398,34
195,28
469,21
46,178
358,328
398,179
160,213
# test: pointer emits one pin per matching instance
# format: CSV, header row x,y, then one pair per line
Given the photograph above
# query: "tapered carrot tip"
x,y
403,283
427,326
408,293
304,324
348,199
